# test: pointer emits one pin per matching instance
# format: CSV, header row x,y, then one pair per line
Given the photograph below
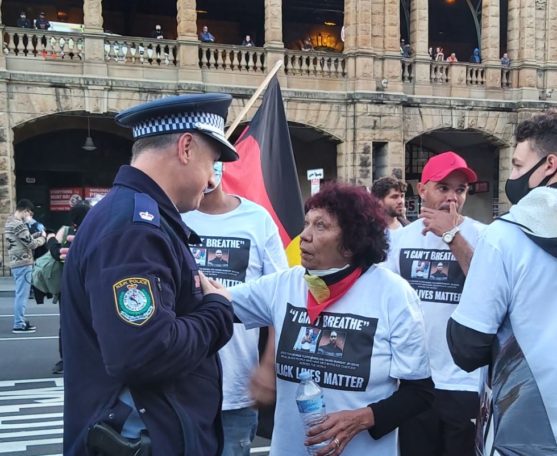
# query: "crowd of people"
x,y
169,277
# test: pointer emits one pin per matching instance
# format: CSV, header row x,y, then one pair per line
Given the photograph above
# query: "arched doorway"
x,y
480,150
51,163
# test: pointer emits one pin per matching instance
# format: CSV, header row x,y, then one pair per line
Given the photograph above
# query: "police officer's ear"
x,y
185,145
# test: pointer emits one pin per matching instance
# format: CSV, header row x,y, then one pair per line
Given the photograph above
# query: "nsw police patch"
x,y
134,300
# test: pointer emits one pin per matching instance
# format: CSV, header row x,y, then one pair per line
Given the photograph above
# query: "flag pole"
x,y
252,100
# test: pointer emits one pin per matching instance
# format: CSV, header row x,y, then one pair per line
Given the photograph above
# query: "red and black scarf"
x,y
323,291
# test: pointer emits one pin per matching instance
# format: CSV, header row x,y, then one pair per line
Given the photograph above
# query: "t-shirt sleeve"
x,y
253,301
483,304
274,257
409,359
392,263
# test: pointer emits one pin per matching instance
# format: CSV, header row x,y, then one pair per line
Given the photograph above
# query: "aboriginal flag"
x,y
266,172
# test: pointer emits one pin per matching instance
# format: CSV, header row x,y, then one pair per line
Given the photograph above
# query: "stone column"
x,y
551,45
273,23
392,68
94,64
7,159
93,16
490,43
274,46
358,44
419,40
188,42
187,20
527,77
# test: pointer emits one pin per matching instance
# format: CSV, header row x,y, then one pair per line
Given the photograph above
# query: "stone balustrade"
x,y
439,72
232,58
407,70
475,75
506,77
32,43
139,51
314,64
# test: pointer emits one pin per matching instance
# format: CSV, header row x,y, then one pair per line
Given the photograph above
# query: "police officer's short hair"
x,y
153,142
540,131
25,205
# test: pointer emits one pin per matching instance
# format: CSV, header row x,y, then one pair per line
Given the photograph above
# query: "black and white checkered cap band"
x,y
179,122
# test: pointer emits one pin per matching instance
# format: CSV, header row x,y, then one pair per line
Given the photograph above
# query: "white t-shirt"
x,y
512,280
380,338
433,271
250,247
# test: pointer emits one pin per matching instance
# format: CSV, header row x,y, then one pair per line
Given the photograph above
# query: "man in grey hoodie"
x,y
507,315
20,253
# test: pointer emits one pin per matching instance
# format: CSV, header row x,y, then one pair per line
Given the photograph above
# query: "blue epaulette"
x,y
146,210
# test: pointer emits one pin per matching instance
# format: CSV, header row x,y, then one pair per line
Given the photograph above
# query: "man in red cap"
x,y
441,235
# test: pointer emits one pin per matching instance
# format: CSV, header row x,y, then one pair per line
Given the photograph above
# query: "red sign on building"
x,y
62,199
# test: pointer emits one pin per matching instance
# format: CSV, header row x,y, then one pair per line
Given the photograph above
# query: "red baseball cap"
x,y
440,166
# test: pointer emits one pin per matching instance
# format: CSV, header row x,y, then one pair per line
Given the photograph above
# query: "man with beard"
x,y
508,310
441,235
390,192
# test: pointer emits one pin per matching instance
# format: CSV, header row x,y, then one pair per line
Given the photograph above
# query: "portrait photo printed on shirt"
x,y
434,274
336,349
224,259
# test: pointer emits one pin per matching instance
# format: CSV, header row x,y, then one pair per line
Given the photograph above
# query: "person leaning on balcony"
x,y
307,45
157,33
452,58
205,36
23,21
439,54
41,23
247,41
505,60
476,57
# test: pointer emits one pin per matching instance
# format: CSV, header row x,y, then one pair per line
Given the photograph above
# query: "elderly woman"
x,y
367,351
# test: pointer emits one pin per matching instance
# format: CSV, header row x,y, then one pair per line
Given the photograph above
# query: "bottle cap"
x,y
304,375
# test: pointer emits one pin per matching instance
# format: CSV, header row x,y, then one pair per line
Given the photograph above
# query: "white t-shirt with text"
x,y
428,264
250,247
380,339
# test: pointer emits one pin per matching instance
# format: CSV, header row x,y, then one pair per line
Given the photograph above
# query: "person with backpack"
x,y
58,246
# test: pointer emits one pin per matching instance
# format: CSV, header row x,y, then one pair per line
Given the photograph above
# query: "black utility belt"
x,y
102,440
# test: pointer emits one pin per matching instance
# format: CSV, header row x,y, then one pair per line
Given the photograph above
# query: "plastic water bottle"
x,y
311,406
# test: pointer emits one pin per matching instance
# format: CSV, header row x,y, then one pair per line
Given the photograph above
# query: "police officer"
x,y
141,326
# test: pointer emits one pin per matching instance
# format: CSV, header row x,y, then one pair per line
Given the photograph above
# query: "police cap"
x,y
202,112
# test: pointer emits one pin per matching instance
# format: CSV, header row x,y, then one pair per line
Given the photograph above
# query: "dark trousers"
x,y
445,429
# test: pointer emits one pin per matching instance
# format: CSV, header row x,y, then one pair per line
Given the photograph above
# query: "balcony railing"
x,y
232,58
439,72
139,51
43,44
407,70
475,75
21,45
311,63
506,80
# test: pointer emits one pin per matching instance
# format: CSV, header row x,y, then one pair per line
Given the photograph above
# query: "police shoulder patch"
x,y
134,299
146,210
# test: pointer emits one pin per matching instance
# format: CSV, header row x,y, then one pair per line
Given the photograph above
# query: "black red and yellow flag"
x,y
266,172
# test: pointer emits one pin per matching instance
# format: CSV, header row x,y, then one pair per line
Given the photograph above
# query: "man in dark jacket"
x,y
141,326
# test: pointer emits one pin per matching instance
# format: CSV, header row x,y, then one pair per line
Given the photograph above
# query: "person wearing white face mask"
x,y
20,253
507,313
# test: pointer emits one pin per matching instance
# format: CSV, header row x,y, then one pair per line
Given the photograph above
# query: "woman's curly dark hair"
x,y
360,217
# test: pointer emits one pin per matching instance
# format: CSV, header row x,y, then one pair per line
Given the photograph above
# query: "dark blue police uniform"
x,y
134,317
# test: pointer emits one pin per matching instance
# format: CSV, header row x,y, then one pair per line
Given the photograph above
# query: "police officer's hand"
x,y
212,286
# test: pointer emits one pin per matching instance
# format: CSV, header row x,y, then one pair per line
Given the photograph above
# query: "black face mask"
x,y
516,189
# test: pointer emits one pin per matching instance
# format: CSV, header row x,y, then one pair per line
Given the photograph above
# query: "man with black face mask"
x,y
507,313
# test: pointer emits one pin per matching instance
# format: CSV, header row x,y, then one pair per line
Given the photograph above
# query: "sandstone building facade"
x,y
356,108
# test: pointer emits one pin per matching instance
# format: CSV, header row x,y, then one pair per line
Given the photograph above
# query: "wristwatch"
x,y
448,236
